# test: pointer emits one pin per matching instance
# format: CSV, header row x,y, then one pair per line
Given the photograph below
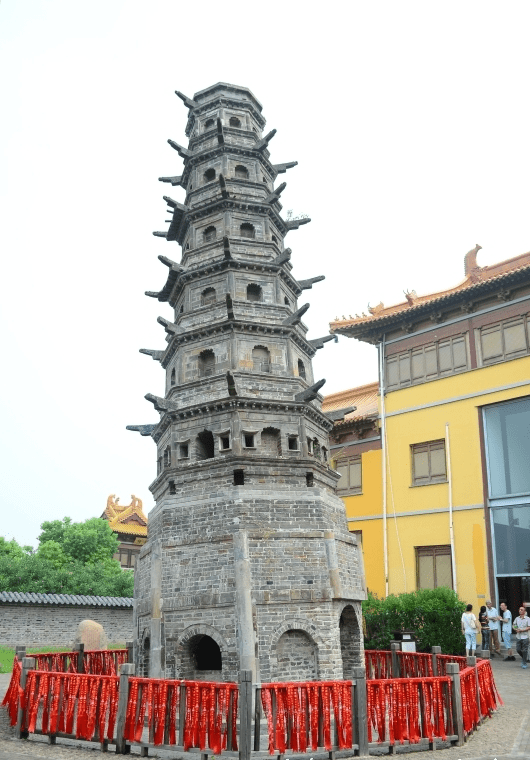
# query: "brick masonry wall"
x,y
55,625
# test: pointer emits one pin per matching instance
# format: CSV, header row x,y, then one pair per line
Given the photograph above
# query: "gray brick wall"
x,y
55,625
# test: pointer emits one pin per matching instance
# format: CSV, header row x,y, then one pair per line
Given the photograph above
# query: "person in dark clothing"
x,y
484,627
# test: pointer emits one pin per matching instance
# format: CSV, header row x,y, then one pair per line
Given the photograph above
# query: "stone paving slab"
x,y
506,736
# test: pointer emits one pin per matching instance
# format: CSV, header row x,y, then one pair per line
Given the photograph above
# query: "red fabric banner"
x,y
12,694
207,721
408,709
299,715
68,698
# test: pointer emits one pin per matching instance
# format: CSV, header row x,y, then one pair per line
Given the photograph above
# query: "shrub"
x,y
433,614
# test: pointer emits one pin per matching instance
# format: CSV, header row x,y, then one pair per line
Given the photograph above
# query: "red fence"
x,y
443,661
378,663
98,662
70,704
410,709
10,700
299,715
186,713
397,664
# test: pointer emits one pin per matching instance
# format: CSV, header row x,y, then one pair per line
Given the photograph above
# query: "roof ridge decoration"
x,y
475,277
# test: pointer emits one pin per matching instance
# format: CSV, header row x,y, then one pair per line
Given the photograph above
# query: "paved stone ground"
x,y
505,737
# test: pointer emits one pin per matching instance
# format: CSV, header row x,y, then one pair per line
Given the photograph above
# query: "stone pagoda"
x,y
249,563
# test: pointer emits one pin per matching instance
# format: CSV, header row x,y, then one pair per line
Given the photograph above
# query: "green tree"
x,y
90,541
72,558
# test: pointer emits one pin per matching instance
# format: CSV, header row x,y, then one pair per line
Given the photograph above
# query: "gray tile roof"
x,y
94,601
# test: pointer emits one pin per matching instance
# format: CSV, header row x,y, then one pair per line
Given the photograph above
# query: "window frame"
x,y
434,550
405,359
429,446
502,325
350,490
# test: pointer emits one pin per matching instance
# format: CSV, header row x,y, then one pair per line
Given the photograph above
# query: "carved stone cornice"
x,y
236,326
229,403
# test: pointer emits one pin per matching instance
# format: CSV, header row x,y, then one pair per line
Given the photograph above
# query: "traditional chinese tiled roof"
x,y
364,397
477,280
128,519
11,597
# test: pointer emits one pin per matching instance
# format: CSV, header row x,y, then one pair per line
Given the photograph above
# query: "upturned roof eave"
x,y
363,329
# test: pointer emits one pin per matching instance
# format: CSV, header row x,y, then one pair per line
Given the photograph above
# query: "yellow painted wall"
x,y
417,426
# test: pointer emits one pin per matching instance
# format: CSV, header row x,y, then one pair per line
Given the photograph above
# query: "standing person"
x,y
493,621
507,631
521,624
484,627
469,629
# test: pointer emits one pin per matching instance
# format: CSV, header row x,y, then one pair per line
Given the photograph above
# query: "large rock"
x,y
91,634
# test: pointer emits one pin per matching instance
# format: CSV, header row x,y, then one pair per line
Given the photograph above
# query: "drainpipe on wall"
x,y
381,349
450,497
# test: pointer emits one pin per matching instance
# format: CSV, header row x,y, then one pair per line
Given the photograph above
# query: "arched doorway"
x,y
297,656
350,642
202,659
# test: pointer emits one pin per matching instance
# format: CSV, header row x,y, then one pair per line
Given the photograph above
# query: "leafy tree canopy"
x,y
89,541
72,558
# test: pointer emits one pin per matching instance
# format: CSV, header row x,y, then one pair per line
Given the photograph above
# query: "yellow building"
x,y
441,491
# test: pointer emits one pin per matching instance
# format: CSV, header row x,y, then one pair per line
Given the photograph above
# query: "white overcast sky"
x,y
410,123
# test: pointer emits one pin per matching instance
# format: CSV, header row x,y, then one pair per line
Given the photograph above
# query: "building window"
x,y
239,477
205,445
447,357
224,442
309,479
234,121
184,451
241,172
206,363
248,441
208,297
247,230
208,124
210,234
209,175
292,443
350,471
254,292
173,376
261,359
508,448
428,463
505,340
301,369
167,456
433,567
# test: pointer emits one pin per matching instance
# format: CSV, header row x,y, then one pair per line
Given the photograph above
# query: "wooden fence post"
x,y
20,652
395,647
453,670
245,714
359,712
80,649
126,670
485,654
28,663
435,652
130,646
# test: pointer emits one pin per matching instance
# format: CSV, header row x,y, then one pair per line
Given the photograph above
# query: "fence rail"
x,y
235,719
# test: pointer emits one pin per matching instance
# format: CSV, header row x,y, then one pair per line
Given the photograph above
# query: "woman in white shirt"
x,y
469,629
